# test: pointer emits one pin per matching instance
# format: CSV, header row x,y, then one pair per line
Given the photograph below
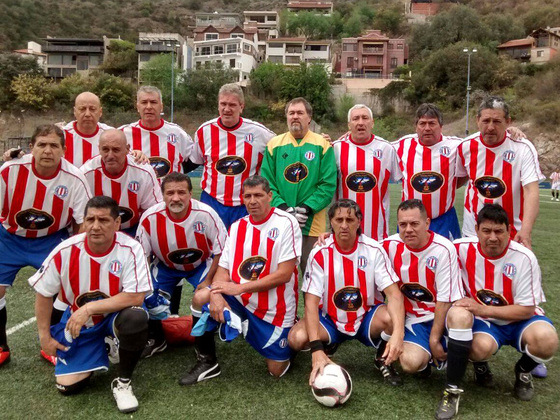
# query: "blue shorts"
x,y
18,252
228,214
165,278
447,225
87,352
419,334
336,336
270,341
509,334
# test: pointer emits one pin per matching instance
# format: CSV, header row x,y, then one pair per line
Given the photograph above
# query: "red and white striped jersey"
x,y
230,156
364,172
34,207
555,178
513,278
427,275
497,175
429,172
182,244
254,250
80,276
348,283
80,147
135,189
167,146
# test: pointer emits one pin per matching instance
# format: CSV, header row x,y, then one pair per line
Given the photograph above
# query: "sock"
x,y
128,361
457,361
525,364
56,316
3,320
156,330
205,344
175,300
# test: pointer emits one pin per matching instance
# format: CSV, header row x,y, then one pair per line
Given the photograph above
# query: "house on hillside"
x,y
34,50
538,48
151,44
420,10
293,51
66,56
217,19
268,27
518,49
324,8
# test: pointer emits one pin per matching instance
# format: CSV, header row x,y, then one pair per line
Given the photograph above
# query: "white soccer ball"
x,y
333,387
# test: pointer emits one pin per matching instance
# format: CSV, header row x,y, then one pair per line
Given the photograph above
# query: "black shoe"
x,y
205,368
482,374
449,404
425,373
523,388
153,347
390,375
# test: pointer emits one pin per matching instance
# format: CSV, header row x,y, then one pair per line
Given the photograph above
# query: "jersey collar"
x,y
108,175
479,248
235,127
45,177
493,145
339,249
173,219
263,221
87,136
161,122
371,139
93,254
430,240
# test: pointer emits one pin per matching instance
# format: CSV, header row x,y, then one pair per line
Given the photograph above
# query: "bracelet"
x,y
316,345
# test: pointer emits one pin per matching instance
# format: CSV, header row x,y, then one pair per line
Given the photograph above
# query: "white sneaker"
x,y
126,401
558,199
552,199
112,346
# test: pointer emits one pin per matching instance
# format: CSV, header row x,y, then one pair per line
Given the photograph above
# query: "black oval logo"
x,y
427,182
417,292
296,172
490,298
361,182
231,165
90,297
185,256
252,267
34,219
161,166
348,299
490,187
126,214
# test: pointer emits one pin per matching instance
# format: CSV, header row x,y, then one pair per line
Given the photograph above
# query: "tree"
x,y
266,80
32,91
122,59
12,65
157,72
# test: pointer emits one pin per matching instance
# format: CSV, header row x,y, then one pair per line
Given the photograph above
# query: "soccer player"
x,y
428,163
231,149
115,174
555,187
166,144
366,163
256,280
436,332
102,276
301,168
41,195
503,283
343,284
186,237
501,170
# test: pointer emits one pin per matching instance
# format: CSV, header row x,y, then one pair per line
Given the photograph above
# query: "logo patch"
x,y
283,343
273,233
115,267
126,214
172,138
133,186
185,256
432,263
87,297
377,153
361,182
348,299
251,268
417,292
34,219
249,138
61,191
490,187
231,165
199,227
490,298
509,156
362,262
427,182
445,151
296,172
161,166
509,270
309,155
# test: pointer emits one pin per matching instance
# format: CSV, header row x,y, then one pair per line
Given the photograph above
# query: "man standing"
x,y
366,163
428,163
301,168
186,237
436,332
555,187
503,282
501,170
256,280
231,149
41,196
343,284
115,174
166,144
102,276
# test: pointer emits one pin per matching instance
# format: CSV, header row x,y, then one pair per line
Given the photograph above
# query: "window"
x,y
350,47
275,45
205,51
210,36
275,59
379,59
55,72
82,64
68,72
237,36
349,62
540,53
246,47
394,62
231,48
364,60
315,48
400,46
144,57
232,63
218,49
94,60
54,59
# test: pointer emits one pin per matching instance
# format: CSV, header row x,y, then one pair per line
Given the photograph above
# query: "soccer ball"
x,y
333,387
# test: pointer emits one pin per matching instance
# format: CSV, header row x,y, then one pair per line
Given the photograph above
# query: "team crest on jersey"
x,y
87,297
231,165
273,233
309,155
427,182
172,138
185,256
377,153
133,186
509,270
126,214
61,191
249,138
161,166
417,292
509,156
445,151
361,181
199,227
490,298
362,262
115,267
348,299
296,172
34,219
251,268
490,187
432,263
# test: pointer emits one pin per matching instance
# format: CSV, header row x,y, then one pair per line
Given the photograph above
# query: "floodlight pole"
x,y
469,53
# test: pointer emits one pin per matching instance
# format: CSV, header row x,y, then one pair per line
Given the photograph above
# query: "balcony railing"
x,y
73,48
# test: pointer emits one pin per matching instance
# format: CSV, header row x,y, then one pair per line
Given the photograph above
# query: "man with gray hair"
x,y
501,170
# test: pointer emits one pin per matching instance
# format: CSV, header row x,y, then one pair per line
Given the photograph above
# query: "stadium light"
x,y
173,46
469,53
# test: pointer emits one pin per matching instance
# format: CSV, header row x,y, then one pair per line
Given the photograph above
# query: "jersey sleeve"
x,y
47,280
384,274
152,193
136,275
314,279
217,233
224,258
448,281
197,155
394,167
80,198
527,289
460,163
291,241
530,169
143,235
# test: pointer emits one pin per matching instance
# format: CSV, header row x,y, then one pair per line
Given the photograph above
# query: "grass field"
x,y
245,390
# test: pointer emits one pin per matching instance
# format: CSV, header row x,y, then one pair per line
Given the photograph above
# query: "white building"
x,y
293,51
151,44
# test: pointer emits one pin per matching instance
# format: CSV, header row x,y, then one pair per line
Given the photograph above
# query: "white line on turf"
x,y
21,325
